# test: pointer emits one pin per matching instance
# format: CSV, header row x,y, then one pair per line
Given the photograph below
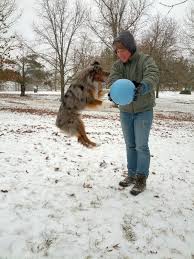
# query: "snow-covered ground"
x,y
59,200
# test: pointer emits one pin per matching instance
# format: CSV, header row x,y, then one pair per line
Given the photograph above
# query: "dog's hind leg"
x,y
82,137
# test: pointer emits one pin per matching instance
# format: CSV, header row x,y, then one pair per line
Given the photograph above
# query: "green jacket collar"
x,y
134,57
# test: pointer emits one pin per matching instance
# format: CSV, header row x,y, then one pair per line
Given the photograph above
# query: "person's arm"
x,y
150,76
115,74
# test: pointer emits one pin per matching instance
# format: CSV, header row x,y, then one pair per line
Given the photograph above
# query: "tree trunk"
x,y
56,74
157,91
23,89
55,80
62,83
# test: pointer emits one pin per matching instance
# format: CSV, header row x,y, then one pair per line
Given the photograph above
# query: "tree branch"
x,y
173,5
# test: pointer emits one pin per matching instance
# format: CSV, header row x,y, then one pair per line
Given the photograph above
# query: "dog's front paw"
x,y
97,102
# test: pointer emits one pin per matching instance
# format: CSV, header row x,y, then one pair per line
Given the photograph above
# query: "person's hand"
x,y
137,91
109,98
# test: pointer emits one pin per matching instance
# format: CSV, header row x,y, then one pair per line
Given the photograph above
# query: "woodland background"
x,y
72,34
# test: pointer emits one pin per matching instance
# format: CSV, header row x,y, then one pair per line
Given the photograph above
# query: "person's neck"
x,y
132,57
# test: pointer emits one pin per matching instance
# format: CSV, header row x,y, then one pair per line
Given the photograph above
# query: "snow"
x,y
61,200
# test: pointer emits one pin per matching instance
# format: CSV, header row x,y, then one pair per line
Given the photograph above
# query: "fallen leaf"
x,y
87,185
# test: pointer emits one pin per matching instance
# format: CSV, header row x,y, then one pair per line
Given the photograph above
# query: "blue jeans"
x,y
136,128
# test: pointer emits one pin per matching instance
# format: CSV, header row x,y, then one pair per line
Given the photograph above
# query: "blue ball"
x,y
122,91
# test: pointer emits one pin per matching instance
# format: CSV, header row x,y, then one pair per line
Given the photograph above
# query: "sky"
x,y
24,25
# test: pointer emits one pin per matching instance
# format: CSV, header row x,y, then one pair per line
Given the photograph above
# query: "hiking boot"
x,y
140,185
129,180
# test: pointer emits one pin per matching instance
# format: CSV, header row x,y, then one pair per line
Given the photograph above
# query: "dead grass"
x,y
30,110
19,101
178,116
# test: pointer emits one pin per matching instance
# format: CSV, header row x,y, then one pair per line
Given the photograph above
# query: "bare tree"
x,y
183,73
84,52
57,28
115,16
189,30
8,16
160,42
22,52
170,7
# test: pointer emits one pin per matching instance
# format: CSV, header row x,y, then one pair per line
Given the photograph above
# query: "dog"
x,y
81,94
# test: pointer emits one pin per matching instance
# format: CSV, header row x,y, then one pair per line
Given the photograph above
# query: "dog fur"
x,y
81,94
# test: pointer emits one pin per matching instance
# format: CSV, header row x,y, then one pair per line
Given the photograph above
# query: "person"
x,y
136,117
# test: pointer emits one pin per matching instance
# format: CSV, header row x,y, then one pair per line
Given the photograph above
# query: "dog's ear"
x,y
96,66
95,63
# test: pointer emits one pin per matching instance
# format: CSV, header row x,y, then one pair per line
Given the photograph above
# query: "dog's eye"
x,y
81,87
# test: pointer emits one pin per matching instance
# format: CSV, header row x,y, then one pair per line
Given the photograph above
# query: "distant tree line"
x,y
71,35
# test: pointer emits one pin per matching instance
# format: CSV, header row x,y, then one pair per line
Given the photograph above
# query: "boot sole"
x,y
135,193
126,185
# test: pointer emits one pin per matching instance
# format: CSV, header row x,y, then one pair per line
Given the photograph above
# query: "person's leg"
x,y
142,126
127,125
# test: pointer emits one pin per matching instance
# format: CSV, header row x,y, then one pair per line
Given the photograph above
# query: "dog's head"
x,y
92,73
97,73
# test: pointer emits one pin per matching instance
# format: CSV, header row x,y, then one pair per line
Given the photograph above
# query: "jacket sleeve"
x,y
115,74
150,76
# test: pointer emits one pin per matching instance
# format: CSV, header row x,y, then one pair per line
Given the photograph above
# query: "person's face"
x,y
123,54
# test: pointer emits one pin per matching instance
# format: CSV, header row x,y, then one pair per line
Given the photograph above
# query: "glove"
x,y
109,98
138,87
